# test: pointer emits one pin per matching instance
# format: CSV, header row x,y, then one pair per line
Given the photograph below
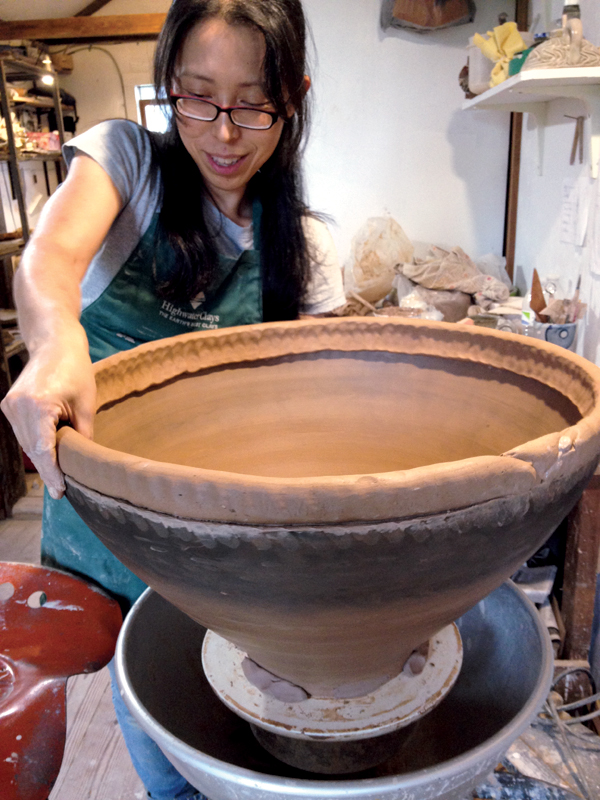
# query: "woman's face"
x,y
224,64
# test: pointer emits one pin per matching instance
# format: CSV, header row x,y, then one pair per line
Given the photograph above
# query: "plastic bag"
x,y
452,305
495,266
377,248
403,286
454,270
416,303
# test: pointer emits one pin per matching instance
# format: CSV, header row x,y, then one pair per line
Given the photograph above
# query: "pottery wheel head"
x,y
398,703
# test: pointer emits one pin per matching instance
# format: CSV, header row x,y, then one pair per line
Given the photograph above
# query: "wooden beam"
x,y
126,27
92,7
512,193
514,162
522,14
579,584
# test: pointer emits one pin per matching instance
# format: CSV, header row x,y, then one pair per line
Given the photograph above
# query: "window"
x,y
154,114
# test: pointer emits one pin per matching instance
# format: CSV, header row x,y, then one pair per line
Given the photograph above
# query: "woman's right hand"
x,y
55,386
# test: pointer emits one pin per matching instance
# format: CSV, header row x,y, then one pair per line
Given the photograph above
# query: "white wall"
x,y
539,242
388,132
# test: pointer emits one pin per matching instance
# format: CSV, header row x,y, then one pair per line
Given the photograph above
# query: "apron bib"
x,y
129,312
126,314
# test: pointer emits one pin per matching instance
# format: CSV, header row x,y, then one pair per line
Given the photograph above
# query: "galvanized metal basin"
x,y
506,675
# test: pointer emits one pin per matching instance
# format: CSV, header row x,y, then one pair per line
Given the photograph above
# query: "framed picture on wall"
x,y
426,15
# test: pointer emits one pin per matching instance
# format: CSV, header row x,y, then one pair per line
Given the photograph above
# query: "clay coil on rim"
x,y
196,493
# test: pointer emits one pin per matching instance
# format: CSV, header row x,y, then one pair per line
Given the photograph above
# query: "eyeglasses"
x,y
254,118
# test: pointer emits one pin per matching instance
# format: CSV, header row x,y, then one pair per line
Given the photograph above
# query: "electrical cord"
x,y
583,718
572,671
584,701
578,773
115,62
562,725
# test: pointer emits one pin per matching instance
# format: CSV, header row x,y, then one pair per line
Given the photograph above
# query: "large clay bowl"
x,y
327,494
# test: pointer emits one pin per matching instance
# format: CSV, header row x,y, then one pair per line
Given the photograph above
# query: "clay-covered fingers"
x,y
45,394
34,423
42,452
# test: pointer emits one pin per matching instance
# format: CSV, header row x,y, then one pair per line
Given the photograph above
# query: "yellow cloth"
x,y
504,43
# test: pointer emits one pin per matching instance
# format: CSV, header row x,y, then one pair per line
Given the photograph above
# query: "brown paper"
x,y
538,302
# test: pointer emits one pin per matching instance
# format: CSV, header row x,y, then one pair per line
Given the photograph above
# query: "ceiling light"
x,y
47,78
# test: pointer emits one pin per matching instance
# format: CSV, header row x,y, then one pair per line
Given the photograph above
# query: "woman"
x,y
152,236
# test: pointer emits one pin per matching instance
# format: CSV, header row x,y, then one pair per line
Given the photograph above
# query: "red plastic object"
x,y
52,625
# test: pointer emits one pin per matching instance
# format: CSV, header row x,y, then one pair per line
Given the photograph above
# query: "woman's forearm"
x,y
57,384
48,299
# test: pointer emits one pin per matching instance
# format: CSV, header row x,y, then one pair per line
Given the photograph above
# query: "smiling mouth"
x,y
230,161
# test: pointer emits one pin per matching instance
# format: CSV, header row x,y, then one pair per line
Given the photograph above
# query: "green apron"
x,y
126,314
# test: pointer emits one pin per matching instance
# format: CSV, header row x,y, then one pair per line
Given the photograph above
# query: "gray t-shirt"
x,y
124,151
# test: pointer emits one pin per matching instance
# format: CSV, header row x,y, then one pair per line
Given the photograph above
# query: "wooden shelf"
x,y
530,92
38,103
22,69
51,155
11,247
8,317
15,348
25,155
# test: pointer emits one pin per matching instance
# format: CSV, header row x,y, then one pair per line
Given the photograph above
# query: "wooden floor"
x,y
96,764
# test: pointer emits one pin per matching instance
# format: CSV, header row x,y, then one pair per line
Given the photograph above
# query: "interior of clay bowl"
x,y
334,413
336,420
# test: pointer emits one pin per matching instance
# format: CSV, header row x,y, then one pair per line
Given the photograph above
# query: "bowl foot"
x,y
330,735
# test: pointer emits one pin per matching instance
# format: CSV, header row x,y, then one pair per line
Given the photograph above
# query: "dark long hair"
x,y
278,185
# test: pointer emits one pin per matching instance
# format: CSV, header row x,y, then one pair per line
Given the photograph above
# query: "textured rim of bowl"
x,y
196,493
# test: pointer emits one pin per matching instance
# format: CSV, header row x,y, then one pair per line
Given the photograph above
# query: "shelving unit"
x,y
17,70
532,90
13,354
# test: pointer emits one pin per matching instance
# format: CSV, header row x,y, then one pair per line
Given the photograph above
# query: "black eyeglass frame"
x,y
226,109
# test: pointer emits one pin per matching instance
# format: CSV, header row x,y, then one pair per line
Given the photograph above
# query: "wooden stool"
x,y
52,626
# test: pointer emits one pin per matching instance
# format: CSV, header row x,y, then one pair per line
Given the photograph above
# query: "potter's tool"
x,y
319,722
